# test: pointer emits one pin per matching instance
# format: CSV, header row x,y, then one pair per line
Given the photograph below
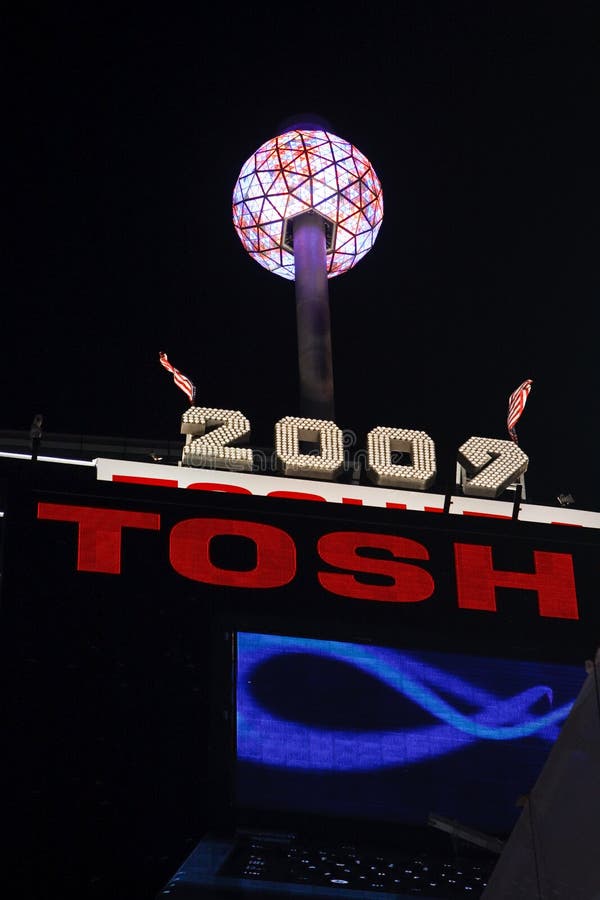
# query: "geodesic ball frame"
x,y
300,171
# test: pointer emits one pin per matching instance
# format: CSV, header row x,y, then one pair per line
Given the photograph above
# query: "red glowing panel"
x,y
299,171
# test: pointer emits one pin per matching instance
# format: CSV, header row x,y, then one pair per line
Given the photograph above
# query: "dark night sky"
x,y
126,133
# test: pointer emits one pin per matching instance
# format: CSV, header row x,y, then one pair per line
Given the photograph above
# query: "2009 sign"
x,y
491,464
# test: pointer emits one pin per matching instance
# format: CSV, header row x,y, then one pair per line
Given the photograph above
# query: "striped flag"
x,y
180,380
516,405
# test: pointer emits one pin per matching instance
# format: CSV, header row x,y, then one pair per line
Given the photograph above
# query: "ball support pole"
x,y
313,318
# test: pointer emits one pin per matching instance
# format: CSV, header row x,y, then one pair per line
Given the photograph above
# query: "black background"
x,y
125,132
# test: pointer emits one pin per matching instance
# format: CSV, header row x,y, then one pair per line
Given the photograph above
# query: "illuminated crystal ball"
x,y
299,171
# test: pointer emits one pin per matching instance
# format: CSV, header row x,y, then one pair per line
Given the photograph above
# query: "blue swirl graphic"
x,y
270,740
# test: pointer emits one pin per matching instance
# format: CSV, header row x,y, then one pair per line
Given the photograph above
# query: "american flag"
x,y
516,405
182,381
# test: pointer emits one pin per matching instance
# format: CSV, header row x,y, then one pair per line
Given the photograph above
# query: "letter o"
x,y
189,552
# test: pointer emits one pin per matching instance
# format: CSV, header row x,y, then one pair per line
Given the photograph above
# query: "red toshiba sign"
x,y
356,564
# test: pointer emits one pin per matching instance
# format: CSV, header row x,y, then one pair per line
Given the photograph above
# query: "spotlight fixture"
x,y
565,499
35,434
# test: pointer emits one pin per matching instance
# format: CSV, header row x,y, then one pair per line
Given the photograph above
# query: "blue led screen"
x,y
350,729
